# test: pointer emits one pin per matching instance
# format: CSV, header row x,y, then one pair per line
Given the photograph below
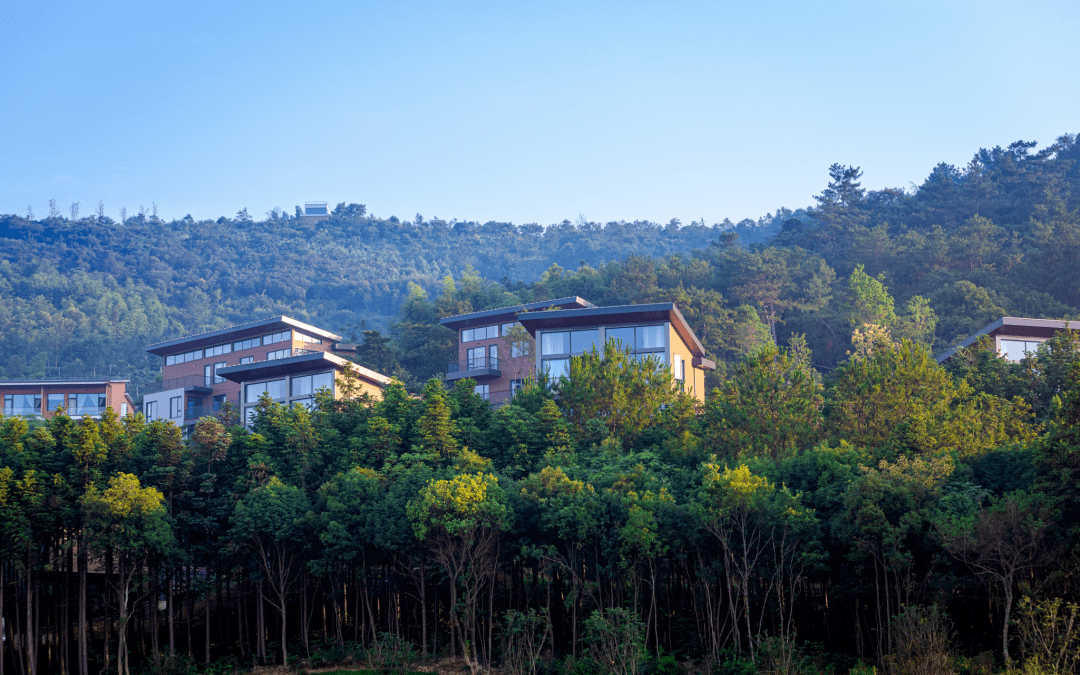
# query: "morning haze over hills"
x,y
83,293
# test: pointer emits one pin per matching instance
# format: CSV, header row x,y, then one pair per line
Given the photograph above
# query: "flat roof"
x,y
297,364
504,314
1013,326
81,381
237,332
595,316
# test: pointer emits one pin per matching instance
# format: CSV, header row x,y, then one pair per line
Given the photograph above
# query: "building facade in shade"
x,y
495,350
543,336
192,385
1013,338
296,380
79,397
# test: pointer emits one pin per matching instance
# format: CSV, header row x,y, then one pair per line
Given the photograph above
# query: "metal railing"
x,y
477,363
186,382
86,410
197,412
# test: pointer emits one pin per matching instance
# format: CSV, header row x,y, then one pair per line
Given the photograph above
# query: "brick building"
x,y
78,396
498,348
200,373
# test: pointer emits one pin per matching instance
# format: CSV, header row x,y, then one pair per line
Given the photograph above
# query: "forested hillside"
x,y
82,295
86,294
840,504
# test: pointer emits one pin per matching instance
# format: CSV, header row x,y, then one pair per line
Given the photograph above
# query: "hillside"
x,y
999,236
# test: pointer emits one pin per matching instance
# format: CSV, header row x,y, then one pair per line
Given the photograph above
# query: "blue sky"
x,y
514,111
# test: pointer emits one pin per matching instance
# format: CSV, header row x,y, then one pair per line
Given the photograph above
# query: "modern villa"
x,y
1014,337
286,358
497,348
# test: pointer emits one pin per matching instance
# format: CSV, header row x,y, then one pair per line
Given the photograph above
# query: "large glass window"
x,y
658,357
246,359
554,343
247,344
307,385
307,338
650,337
219,350
275,388
150,410
557,368
249,415
482,333
86,404
482,390
55,401
9,404
30,404
278,354
183,358
493,356
274,338
678,367
623,337
582,341
1016,350
217,378
508,328
475,358
176,407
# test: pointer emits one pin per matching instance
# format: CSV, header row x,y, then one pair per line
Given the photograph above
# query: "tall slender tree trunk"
x,y
16,636
108,618
284,644
31,660
3,587
155,593
206,604
423,609
261,616
189,614
169,614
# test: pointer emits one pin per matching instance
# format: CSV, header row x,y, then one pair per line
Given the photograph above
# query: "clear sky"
x,y
515,111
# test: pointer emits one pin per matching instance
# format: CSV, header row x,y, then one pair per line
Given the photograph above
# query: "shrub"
x,y
615,638
523,638
922,640
1049,634
781,656
390,653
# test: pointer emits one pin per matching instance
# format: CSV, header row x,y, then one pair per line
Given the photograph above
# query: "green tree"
x,y
461,520
771,406
130,521
623,394
271,521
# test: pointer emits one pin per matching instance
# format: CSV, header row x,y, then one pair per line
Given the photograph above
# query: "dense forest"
x,y
896,515
840,503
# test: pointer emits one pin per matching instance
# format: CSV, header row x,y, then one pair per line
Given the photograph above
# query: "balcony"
x,y
192,383
194,413
88,410
476,368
